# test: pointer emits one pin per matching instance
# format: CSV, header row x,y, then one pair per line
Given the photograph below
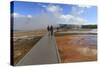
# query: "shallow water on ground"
x,y
76,48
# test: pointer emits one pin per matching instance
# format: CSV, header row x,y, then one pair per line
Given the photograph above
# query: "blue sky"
x,y
54,13
34,8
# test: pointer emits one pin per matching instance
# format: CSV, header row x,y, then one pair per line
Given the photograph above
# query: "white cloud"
x,y
29,16
42,5
53,16
84,6
70,19
17,15
79,9
53,8
28,22
73,18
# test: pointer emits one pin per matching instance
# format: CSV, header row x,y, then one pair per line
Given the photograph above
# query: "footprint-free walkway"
x,y
44,52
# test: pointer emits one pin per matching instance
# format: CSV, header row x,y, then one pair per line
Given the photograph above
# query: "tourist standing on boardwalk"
x,y
51,30
48,28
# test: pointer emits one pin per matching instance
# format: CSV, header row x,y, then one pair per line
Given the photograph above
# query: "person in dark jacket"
x,y
51,30
48,28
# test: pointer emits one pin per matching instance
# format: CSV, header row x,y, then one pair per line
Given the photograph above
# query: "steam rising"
x,y
53,15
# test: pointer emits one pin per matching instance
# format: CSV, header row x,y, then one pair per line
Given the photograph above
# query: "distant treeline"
x,y
71,26
89,26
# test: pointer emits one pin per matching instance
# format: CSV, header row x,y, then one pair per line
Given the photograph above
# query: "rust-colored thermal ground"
x,y
77,48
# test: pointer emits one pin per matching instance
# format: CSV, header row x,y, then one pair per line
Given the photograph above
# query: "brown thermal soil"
x,y
29,33
22,46
76,48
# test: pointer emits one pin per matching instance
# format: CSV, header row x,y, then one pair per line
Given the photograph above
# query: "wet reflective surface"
x,y
77,48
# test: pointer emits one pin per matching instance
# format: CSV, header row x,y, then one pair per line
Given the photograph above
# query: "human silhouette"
x,y
51,30
48,28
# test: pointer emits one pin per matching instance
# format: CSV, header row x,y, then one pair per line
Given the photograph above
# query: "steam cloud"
x,y
53,15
